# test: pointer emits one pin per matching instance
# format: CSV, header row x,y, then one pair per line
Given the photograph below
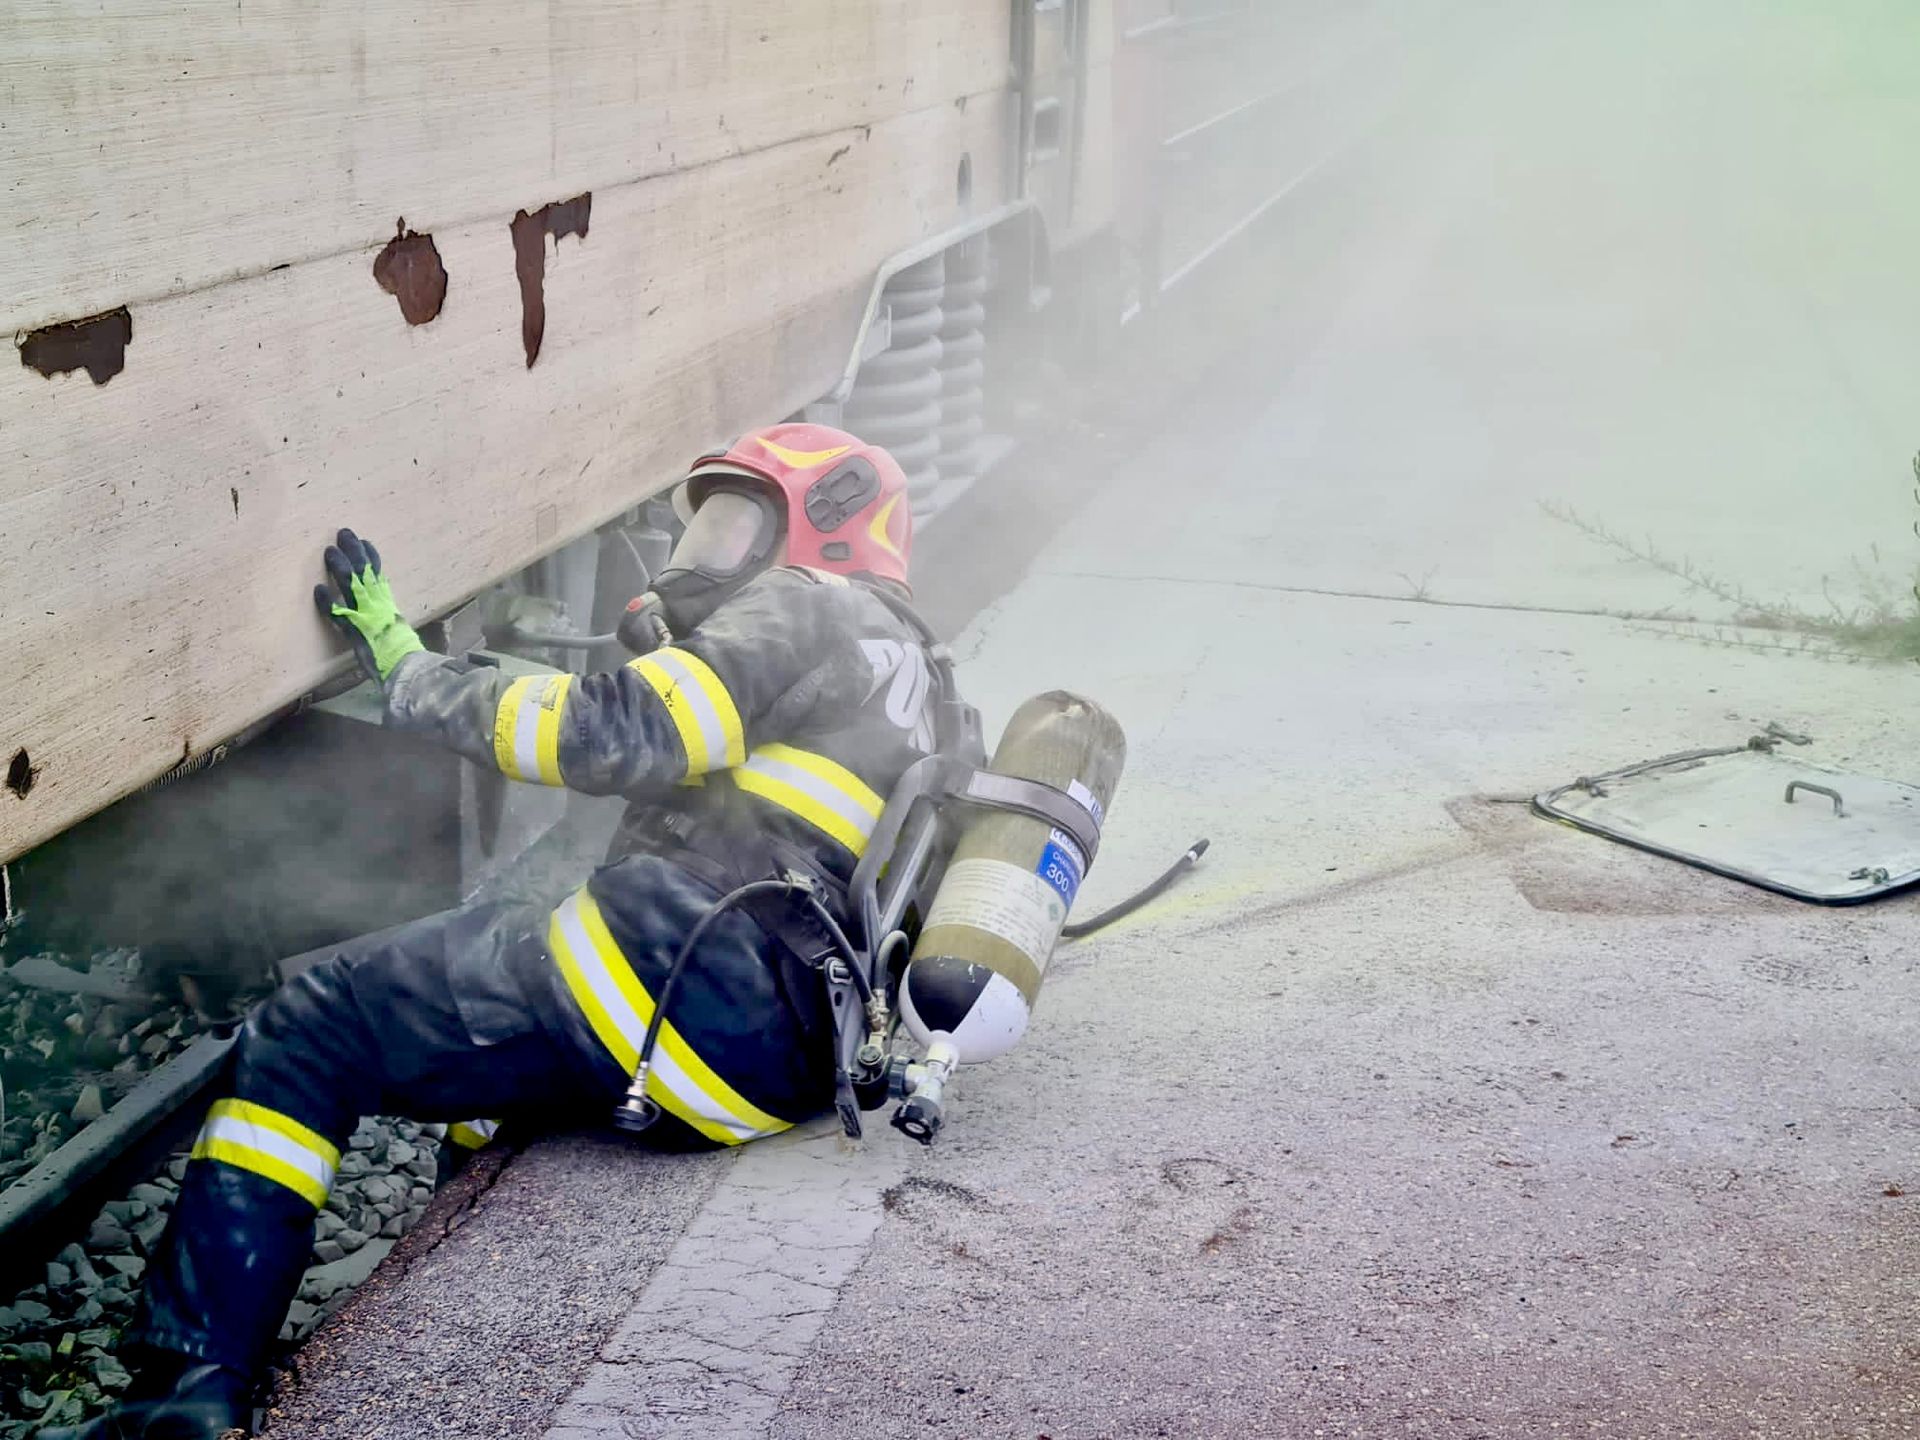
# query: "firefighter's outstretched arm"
x,y
742,679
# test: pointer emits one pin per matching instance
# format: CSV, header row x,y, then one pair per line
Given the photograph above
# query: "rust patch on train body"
x,y
530,232
569,217
97,345
409,269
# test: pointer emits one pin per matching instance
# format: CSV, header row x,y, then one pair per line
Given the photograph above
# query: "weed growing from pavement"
x,y
1880,622
1421,589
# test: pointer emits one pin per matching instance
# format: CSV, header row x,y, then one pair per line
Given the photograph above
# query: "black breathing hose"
x,y
720,907
694,936
845,946
550,640
1084,928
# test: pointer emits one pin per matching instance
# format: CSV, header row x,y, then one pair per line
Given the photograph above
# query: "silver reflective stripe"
x,y
822,791
283,1148
713,729
526,732
472,1134
694,1098
633,1029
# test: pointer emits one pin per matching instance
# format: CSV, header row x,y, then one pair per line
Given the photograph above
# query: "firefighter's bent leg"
x,y
439,1020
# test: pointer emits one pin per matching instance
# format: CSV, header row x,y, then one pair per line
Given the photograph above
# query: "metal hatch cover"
x,y
1815,833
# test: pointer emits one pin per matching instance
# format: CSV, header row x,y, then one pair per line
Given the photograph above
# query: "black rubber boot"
x,y
183,1400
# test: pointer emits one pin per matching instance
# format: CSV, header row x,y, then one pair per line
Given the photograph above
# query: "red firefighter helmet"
x,y
845,500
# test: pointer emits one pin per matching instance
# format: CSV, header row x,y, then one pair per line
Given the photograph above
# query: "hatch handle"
x,y
1839,805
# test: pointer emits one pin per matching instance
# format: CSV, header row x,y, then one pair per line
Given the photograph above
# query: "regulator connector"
x,y
924,1085
636,1112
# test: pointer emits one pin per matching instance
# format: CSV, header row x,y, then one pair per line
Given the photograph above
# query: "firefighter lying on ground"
x,y
760,739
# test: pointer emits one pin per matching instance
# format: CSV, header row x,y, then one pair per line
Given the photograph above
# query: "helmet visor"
x,y
734,527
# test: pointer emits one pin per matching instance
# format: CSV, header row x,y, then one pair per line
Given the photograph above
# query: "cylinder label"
x,y
1061,867
1020,907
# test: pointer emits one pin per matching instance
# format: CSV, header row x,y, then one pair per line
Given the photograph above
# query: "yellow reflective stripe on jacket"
x,y
278,1147
820,791
619,1009
702,710
472,1134
526,728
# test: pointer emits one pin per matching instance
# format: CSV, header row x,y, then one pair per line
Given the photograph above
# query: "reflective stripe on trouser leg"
x,y
452,1015
619,1009
702,711
472,1134
526,728
277,1147
823,792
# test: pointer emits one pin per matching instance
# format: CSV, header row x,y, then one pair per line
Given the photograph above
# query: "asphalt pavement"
x,y
1409,1114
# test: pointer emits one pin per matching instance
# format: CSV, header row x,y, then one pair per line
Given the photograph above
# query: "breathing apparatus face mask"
x,y
733,536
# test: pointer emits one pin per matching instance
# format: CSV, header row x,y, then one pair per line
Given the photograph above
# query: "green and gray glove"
x,y
368,617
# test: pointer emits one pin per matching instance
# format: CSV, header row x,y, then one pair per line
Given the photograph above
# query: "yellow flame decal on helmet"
x,y
802,459
877,531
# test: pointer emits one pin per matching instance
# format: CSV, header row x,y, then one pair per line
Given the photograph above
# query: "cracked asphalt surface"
x,y
1409,1113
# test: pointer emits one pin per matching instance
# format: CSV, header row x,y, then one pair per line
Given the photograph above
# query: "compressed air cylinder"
x,y
976,971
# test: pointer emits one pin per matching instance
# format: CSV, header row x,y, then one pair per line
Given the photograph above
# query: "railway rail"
x,y
96,1152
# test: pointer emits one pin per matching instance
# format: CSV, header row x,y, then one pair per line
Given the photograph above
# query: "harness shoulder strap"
x,y
957,729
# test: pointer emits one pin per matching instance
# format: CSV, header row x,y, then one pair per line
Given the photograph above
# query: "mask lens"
x,y
730,528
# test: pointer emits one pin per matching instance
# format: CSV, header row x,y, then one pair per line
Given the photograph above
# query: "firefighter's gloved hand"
x,y
361,605
643,625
